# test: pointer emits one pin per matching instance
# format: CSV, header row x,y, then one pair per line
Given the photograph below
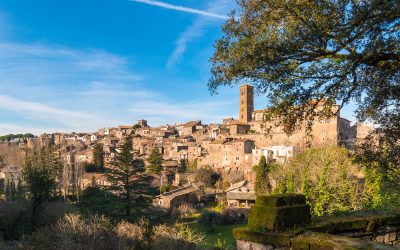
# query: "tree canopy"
x,y
295,51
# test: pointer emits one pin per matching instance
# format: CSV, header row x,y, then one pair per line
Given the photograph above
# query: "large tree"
x,y
128,178
294,51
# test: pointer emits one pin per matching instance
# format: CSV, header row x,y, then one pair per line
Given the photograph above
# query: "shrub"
x,y
91,168
176,237
327,176
220,245
15,219
97,233
133,235
51,213
210,219
185,210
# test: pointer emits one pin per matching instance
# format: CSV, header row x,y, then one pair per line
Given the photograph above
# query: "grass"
x,y
222,232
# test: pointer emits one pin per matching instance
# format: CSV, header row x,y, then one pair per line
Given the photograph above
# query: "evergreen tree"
x,y
182,166
262,185
98,156
154,165
40,184
128,178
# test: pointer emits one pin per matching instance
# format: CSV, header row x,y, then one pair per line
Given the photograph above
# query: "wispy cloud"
x,y
196,30
49,88
181,8
64,118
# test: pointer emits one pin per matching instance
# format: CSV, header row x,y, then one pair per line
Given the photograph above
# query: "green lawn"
x,y
223,232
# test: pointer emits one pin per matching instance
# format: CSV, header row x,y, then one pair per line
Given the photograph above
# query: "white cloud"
x,y
181,8
196,30
48,89
16,129
67,119
164,111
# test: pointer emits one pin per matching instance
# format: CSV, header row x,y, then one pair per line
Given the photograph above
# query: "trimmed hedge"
x,y
365,222
267,238
281,200
279,212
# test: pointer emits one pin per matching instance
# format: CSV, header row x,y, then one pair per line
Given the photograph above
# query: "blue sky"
x,y
80,65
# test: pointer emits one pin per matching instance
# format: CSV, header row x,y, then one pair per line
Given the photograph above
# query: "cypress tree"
x,y
262,185
154,165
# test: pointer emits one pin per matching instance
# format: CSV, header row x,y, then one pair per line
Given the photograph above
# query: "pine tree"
x,y
154,162
98,157
262,185
128,178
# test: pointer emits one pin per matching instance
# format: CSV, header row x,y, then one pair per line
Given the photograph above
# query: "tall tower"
x,y
246,105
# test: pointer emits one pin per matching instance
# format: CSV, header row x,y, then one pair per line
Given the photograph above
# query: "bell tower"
x,y
246,105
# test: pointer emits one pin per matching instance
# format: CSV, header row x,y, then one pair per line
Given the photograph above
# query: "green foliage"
x,y
129,179
154,165
327,176
10,137
380,156
96,200
183,166
15,219
294,51
40,183
210,219
220,245
285,211
262,183
98,157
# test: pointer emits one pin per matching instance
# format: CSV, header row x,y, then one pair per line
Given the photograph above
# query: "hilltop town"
x,y
230,149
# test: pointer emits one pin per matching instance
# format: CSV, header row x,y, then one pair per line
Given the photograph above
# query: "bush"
x,y
95,200
210,219
91,168
51,213
15,219
133,234
75,232
176,237
97,232
185,210
327,176
220,245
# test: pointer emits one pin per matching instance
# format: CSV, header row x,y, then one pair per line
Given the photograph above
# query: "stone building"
x,y
240,194
172,200
323,132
